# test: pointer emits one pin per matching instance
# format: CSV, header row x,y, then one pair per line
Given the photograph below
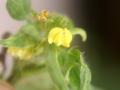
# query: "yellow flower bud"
x,y
60,36
22,53
45,13
43,16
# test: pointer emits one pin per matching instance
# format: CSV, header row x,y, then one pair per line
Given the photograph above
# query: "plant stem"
x,y
54,69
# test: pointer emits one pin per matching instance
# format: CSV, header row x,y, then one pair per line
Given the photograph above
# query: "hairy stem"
x,y
54,69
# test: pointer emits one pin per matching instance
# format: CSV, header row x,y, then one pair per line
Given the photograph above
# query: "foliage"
x,y
49,66
18,9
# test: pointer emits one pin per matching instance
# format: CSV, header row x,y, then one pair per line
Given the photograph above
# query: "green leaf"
x,y
31,31
85,78
27,37
75,70
81,32
70,65
68,59
74,78
18,9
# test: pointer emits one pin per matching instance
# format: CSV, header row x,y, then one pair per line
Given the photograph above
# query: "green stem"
x,y
54,69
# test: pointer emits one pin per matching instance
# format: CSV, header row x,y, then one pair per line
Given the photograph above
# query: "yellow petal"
x,y
53,34
60,36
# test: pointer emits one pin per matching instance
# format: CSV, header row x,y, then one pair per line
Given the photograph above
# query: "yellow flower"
x,y
22,53
43,15
60,36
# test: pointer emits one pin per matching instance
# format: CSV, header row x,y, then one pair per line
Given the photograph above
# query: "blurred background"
x,y
101,20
